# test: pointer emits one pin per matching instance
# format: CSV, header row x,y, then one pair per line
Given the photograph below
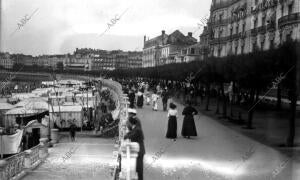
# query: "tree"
x,y
60,66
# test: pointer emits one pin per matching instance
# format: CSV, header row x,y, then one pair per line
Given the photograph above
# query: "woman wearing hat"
x,y
188,125
172,122
140,99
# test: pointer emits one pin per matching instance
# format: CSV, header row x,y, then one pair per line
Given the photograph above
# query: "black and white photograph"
x,y
150,89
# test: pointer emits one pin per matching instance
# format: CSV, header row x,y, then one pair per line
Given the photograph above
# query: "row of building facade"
x,y
82,59
244,26
234,27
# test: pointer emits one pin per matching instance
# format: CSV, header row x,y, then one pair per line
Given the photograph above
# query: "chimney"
x,y
145,38
190,34
163,32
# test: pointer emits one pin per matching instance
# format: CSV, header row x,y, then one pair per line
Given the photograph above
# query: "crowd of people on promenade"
x,y
150,92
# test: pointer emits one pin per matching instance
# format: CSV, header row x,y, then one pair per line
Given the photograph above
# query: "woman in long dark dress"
x,y
172,123
188,125
140,99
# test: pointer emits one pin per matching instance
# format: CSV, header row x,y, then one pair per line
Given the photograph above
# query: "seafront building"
x,y
82,60
165,48
244,26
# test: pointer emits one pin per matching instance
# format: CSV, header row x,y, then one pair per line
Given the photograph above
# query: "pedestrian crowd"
x,y
142,93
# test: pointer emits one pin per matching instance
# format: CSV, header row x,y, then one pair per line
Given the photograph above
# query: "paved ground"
x,y
217,153
89,158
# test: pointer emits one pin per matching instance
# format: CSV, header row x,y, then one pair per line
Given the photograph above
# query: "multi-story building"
x,y
151,50
81,62
189,53
103,61
121,59
50,61
6,61
110,60
135,59
243,26
164,48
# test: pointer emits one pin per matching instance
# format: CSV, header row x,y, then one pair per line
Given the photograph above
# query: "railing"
x,y
124,167
254,32
223,4
262,29
17,165
289,19
13,166
271,26
33,156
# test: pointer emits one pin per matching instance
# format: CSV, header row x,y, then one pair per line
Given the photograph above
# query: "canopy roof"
x,y
6,106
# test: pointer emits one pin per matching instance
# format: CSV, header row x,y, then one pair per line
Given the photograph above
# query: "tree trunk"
x,y
251,110
224,113
218,102
278,105
294,97
208,97
291,135
232,101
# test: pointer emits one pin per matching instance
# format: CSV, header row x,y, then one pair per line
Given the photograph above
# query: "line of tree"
x,y
253,72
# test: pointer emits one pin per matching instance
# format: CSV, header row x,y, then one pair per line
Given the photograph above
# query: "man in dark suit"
x,y
136,135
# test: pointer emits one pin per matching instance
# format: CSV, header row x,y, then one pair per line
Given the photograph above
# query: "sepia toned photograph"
x,y
150,89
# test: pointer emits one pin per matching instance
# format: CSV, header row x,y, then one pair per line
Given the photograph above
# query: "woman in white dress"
x,y
154,101
172,122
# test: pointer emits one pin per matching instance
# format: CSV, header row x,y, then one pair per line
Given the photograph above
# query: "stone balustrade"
x,y
125,165
16,166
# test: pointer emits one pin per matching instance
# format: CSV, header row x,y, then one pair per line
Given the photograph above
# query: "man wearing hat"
x,y
136,135
133,113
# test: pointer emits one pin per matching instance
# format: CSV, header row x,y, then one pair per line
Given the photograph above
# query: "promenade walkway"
x,y
86,158
217,153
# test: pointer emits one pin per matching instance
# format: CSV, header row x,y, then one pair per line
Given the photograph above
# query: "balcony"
x,y
221,22
289,19
254,32
219,40
223,4
262,29
234,36
271,26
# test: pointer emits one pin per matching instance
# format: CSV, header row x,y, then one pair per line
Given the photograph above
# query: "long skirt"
x,y
148,100
140,101
172,127
188,126
155,105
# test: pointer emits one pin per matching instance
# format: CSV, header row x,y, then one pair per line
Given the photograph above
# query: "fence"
x,y
17,165
125,164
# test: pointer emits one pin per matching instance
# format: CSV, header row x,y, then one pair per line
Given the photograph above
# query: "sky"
x,y
61,26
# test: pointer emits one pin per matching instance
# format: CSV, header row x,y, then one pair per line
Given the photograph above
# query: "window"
x,y
290,10
289,37
244,27
192,51
237,28
254,46
282,9
255,23
262,45
263,20
242,49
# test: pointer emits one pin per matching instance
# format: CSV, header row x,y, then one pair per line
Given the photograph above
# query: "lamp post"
x,y
1,133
